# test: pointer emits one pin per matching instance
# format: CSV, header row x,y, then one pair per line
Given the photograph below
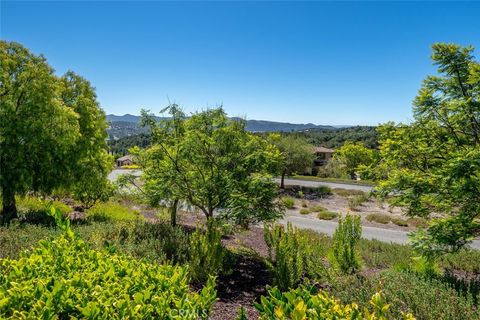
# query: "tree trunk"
x,y
173,213
282,181
9,210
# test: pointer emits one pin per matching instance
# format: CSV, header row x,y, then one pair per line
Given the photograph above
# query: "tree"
x,y
297,155
434,163
49,131
211,162
352,156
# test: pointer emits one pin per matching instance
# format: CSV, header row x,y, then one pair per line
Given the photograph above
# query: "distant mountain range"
x,y
127,125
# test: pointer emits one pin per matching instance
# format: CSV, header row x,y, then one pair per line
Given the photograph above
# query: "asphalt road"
x,y
310,183
328,227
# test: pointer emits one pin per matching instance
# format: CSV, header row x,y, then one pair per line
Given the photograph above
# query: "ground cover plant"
x,y
66,278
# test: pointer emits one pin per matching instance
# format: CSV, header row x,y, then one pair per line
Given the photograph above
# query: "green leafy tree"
x,y
352,156
51,129
434,163
210,162
297,155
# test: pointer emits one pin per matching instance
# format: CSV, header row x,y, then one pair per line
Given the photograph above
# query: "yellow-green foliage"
x,y
111,211
317,208
306,303
288,202
304,211
66,279
344,252
327,215
293,256
30,203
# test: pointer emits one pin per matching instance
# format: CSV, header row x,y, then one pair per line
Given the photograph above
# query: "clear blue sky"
x,y
324,62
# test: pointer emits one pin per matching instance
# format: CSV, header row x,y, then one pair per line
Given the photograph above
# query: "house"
x,y
323,155
125,161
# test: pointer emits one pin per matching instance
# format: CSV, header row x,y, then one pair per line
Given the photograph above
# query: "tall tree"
x,y
297,155
353,155
43,138
434,163
211,162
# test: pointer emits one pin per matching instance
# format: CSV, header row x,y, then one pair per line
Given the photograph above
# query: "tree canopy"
x,y
434,162
212,163
297,154
52,130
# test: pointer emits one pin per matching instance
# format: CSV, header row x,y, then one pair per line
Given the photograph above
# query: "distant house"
x,y
125,161
323,155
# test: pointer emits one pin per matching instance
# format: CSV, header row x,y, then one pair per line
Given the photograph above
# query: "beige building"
x,y
323,155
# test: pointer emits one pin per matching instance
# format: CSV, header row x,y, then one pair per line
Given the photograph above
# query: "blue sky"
x,y
322,62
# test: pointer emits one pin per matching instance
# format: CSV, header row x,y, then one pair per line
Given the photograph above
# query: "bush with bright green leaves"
x,y
344,252
66,279
208,257
288,202
306,302
111,211
292,256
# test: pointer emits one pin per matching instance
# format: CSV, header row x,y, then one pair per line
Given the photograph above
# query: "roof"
x,y
124,158
324,150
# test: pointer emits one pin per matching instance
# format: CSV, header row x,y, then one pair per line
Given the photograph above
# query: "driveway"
x,y
328,227
310,183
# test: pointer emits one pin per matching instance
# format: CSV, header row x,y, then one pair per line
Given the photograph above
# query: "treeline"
x,y
121,146
336,138
319,137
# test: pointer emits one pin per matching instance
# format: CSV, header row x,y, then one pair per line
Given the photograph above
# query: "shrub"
x,y
417,222
207,254
317,208
66,279
347,192
304,204
327,215
379,218
380,255
304,211
356,201
306,302
399,221
344,254
288,202
323,190
293,256
110,211
35,210
18,237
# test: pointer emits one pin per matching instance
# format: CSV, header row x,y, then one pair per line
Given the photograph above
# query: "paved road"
x,y
328,227
310,183
113,176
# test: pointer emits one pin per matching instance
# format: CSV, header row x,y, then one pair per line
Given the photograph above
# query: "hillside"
x,y
127,125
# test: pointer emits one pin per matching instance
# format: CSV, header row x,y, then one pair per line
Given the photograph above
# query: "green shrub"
x,y
322,191
381,255
208,257
356,201
347,192
399,221
304,211
327,215
111,211
293,256
379,218
65,279
306,302
317,208
344,253
18,237
35,210
288,202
